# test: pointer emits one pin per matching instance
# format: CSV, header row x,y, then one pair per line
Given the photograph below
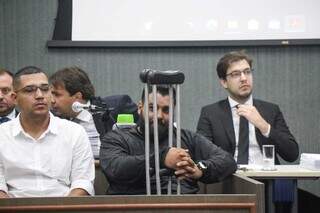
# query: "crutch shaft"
x,y
147,140
156,139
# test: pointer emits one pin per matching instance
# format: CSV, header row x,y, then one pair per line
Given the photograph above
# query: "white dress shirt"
x,y
85,119
52,165
255,154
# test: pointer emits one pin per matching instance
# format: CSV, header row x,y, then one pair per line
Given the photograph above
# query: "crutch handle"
x,y
165,77
144,75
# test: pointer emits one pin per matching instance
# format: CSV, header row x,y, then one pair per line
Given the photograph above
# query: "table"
x,y
293,172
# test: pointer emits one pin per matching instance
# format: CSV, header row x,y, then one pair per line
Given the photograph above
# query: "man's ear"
x,y
223,83
78,97
14,97
140,107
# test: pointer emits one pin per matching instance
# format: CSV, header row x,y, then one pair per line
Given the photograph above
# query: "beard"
x,y
162,128
240,97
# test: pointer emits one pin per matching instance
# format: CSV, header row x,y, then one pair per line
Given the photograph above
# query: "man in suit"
x,y
7,105
220,122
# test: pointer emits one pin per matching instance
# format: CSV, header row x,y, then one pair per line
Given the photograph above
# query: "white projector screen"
x,y
154,20
169,21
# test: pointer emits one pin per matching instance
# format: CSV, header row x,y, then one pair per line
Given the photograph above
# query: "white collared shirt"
x,y
52,165
255,155
85,119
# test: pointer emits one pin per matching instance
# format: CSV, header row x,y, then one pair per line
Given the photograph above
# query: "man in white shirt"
x,y
7,105
70,85
42,155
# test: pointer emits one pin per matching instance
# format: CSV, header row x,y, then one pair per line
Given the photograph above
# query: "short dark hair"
x,y
5,71
28,70
74,80
229,58
162,89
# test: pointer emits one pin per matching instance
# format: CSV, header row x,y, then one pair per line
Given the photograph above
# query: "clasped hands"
x,y
179,160
253,116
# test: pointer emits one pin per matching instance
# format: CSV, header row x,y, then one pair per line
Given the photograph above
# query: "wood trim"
x,y
99,207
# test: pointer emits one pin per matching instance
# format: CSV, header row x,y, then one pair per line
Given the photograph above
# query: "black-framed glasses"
x,y
237,73
32,89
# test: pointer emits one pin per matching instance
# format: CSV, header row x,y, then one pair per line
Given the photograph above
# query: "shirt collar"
x,y
53,127
84,115
234,103
53,124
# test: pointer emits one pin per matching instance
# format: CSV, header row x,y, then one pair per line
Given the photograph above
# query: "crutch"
x,y
154,78
143,78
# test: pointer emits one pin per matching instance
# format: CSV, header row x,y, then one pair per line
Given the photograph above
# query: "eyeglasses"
x,y
32,89
237,73
5,90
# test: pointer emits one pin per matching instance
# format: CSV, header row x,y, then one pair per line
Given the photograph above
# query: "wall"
x,y
288,76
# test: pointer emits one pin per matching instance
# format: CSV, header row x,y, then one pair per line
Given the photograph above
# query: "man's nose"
x,y
39,93
53,100
160,114
243,76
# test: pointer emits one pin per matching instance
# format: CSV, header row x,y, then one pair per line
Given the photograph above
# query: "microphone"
x,y
77,107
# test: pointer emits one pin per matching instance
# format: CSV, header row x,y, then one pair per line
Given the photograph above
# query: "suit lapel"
x,y
227,122
259,136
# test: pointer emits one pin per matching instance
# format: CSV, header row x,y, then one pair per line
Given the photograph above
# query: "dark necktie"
x,y
4,119
243,143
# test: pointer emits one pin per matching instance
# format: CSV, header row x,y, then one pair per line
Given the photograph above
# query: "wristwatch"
x,y
202,166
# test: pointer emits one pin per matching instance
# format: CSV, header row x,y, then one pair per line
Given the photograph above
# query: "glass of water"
x,y
268,157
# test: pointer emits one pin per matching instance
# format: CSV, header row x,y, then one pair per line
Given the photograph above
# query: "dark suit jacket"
x,y
216,124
